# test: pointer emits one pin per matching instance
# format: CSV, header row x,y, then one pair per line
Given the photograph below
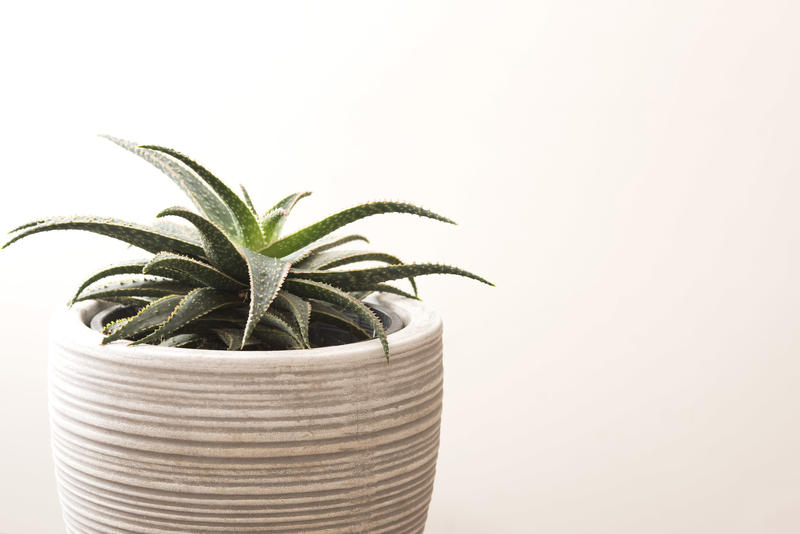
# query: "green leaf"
x,y
247,200
360,279
26,225
321,291
247,223
275,338
183,231
181,340
298,308
269,221
308,235
318,248
274,320
273,221
230,320
306,254
204,198
141,236
190,271
288,203
335,317
149,318
334,258
134,288
386,288
221,251
133,267
230,336
266,277
130,301
197,303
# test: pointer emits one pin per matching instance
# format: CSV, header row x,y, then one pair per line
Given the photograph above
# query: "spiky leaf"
x,y
181,340
266,276
274,338
275,320
221,251
269,221
190,271
361,279
144,237
204,198
247,224
335,317
311,251
149,318
273,221
132,267
309,234
232,337
197,303
385,288
327,293
247,199
298,308
27,225
336,258
134,288
183,231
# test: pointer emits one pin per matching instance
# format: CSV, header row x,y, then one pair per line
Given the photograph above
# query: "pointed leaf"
x,y
141,236
386,288
337,258
183,231
333,258
274,320
149,318
288,203
134,288
270,221
272,224
249,229
133,267
195,304
230,336
204,198
275,338
247,199
221,251
335,317
308,235
180,340
298,308
26,225
190,271
321,291
307,253
266,277
360,279
130,301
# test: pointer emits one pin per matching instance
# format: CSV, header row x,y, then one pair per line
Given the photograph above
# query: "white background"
x,y
625,172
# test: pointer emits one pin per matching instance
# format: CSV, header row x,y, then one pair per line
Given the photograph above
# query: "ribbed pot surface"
x,y
155,440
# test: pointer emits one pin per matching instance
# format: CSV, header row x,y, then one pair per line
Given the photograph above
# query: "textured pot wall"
x,y
156,440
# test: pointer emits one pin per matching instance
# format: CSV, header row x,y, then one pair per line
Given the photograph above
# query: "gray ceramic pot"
x,y
163,440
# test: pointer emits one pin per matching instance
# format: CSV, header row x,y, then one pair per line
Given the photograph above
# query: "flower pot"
x,y
150,439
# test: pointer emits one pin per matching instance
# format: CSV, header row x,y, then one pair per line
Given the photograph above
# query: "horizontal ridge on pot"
x,y
149,439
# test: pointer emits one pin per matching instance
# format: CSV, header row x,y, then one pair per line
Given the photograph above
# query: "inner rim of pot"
x,y
320,334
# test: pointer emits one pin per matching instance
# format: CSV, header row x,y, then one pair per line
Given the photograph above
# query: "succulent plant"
x,y
229,279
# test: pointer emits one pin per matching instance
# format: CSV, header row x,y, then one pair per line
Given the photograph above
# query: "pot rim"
x,y
70,329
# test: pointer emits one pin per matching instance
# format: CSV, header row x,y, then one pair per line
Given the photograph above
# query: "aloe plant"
x,y
228,278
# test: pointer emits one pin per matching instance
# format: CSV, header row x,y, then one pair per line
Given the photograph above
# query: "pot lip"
x,y
70,329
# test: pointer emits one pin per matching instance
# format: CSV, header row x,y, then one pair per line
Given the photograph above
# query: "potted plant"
x,y
237,380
